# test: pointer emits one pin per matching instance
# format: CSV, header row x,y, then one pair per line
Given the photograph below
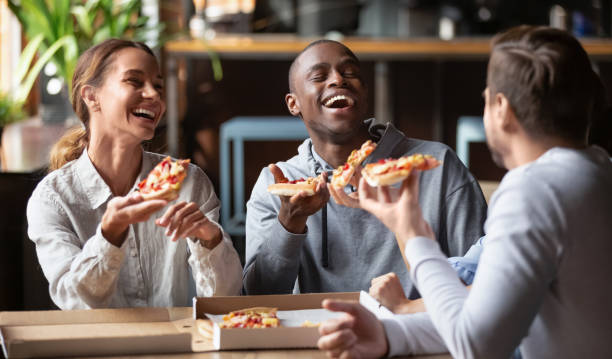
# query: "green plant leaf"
x,y
24,90
26,57
83,19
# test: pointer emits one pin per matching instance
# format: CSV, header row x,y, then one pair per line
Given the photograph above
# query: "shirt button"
x,y
133,253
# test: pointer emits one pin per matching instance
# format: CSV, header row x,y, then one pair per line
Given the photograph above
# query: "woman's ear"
x,y
88,94
292,104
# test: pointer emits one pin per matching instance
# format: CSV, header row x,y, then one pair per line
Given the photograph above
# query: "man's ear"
x,y
504,114
292,104
88,95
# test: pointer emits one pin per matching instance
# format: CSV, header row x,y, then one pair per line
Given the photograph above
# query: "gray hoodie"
x,y
344,248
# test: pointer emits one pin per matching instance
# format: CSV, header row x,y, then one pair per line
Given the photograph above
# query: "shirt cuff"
x,y
396,337
99,246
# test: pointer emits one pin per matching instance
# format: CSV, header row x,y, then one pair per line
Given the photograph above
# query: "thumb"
x,y
277,173
348,306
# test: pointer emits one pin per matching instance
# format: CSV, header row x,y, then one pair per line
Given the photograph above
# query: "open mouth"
x,y
144,113
338,101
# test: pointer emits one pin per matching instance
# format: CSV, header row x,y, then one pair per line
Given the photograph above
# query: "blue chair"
x,y
469,129
238,130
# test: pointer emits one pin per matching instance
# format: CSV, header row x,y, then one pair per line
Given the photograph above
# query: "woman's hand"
x,y
183,220
123,211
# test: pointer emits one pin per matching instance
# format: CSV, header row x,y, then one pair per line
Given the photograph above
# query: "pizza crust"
x,y
391,171
291,189
386,179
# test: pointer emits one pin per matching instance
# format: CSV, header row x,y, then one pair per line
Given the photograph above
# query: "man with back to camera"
x,y
543,275
325,246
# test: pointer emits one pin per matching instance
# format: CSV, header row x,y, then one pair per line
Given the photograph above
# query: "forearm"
x,y
216,271
272,262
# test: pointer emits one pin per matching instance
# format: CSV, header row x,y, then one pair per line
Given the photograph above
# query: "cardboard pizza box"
x,y
56,333
265,338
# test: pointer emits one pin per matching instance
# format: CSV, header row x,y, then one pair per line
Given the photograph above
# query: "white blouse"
x,y
84,270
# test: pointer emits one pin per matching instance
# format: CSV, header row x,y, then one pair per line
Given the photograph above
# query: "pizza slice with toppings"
x,y
257,317
389,171
343,174
164,181
290,188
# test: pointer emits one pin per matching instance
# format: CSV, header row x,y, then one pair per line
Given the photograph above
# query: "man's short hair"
x,y
548,80
313,44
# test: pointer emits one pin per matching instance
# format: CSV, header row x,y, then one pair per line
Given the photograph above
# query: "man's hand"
x,y
402,214
123,211
388,291
348,200
296,209
358,335
184,220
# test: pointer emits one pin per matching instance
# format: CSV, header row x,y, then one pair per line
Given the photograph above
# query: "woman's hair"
x,y
548,80
91,70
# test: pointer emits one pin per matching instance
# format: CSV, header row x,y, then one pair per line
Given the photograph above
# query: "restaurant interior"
x,y
225,64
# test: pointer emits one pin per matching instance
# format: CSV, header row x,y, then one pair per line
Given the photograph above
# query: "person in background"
x,y
387,289
309,244
98,242
541,278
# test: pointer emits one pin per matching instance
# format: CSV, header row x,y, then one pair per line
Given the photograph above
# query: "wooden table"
x,y
379,50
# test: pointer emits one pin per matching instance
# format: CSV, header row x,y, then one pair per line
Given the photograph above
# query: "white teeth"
x,y
145,112
337,98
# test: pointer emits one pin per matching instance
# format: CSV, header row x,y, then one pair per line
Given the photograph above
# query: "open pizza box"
x,y
97,332
298,307
105,332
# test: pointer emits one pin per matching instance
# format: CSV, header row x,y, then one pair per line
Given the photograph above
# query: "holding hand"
x,y
348,200
402,215
296,209
184,220
123,211
388,290
358,335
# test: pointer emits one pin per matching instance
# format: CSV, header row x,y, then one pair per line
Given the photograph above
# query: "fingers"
x,y
348,306
383,193
277,173
191,222
366,197
141,211
410,186
338,341
121,202
179,218
334,325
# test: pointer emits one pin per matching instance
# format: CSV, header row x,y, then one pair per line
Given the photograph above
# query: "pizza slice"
x,y
257,317
164,181
343,174
291,188
389,171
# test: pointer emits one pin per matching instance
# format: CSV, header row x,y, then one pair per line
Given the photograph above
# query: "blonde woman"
x,y
98,242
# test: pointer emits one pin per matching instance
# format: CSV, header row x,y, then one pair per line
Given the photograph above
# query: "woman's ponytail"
x,y
68,148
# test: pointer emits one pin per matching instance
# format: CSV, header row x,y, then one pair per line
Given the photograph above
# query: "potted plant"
x,y
12,103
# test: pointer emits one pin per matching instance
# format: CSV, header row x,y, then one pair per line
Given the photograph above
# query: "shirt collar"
x,y
96,189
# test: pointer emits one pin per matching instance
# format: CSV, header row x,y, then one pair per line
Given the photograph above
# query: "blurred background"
x,y
225,64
